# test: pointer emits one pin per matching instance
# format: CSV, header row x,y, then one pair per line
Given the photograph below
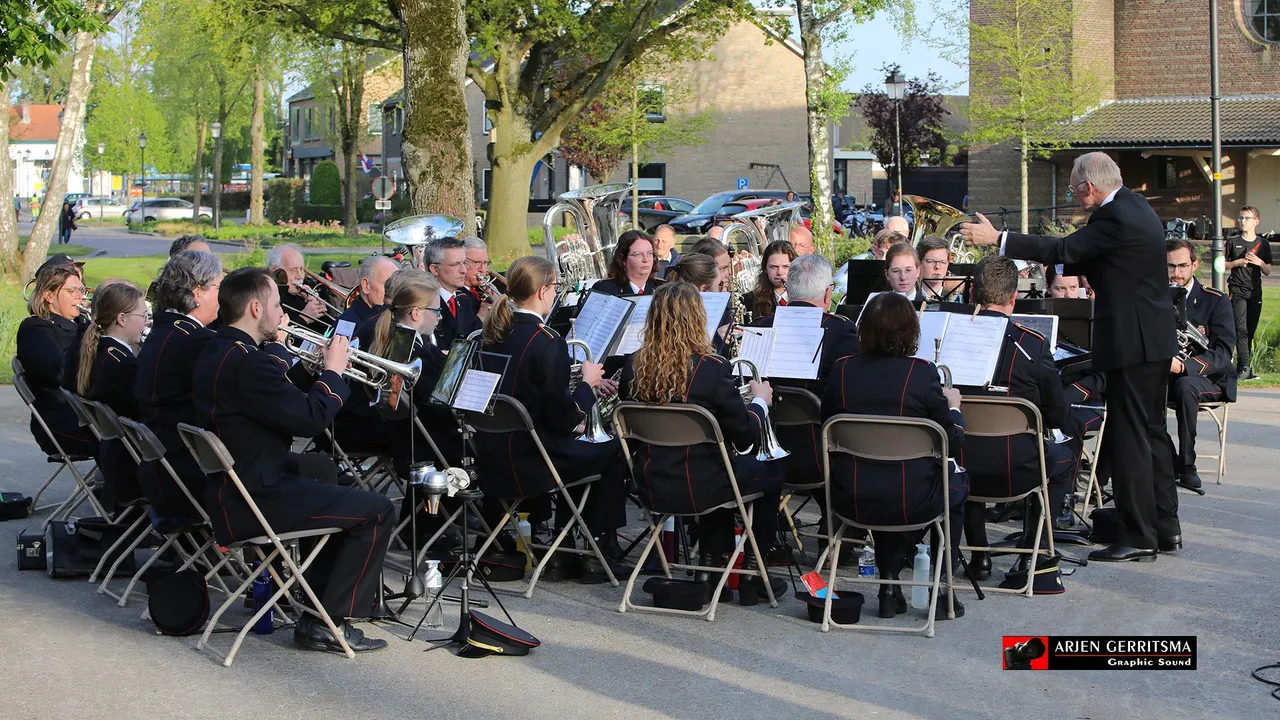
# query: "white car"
x,y
165,209
91,207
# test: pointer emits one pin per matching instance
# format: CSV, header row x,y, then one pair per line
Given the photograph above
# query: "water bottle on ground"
x,y
434,582
920,573
522,542
261,595
867,563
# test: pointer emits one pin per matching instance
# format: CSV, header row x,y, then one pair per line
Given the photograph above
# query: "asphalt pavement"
x,y
67,652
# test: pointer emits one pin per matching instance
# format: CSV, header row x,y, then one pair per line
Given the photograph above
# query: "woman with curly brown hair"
x,y
676,364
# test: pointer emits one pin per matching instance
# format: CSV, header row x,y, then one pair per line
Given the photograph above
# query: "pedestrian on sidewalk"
x,y
17,206
67,222
35,208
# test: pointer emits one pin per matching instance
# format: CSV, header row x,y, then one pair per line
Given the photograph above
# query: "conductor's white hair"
x,y
1099,169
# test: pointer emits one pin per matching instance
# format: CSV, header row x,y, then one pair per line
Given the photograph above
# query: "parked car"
x,y
655,210
164,209
700,219
728,210
73,197
90,207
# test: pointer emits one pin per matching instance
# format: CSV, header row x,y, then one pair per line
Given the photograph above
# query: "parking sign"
x,y
742,183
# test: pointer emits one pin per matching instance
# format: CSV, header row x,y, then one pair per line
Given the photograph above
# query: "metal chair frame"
x,y
65,461
795,407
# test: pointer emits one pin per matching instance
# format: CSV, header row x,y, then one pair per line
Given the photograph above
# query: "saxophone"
x,y
732,342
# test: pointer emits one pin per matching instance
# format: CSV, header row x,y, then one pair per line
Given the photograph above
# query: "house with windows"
x,y
1154,118
33,139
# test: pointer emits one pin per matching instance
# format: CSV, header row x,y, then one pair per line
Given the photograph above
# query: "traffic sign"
x,y
381,204
383,188
742,183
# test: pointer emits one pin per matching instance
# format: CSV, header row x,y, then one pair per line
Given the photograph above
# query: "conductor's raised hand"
x,y
980,233
338,354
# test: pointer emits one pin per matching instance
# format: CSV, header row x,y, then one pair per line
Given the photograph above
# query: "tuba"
x,y
595,211
938,218
594,431
416,231
767,448
775,222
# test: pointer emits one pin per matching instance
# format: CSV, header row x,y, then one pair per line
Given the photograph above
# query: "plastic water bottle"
x,y
920,573
867,563
522,543
434,582
261,595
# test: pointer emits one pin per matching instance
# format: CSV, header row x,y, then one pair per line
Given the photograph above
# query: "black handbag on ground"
x,y
73,549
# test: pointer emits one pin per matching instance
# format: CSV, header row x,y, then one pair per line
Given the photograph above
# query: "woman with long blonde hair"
x,y
677,364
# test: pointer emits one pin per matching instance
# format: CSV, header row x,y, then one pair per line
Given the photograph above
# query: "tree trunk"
x,y
436,142
73,113
351,104
506,227
199,169
815,74
350,224
256,142
8,221
1026,220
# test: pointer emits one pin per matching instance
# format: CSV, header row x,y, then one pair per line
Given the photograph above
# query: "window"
x,y
375,118
310,116
1264,19
1166,173
399,120
486,176
296,124
488,124
653,101
653,178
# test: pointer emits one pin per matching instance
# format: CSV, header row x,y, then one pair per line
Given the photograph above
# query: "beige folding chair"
x,y
887,439
1094,489
510,416
84,481
106,425
1218,410
796,407
686,425
213,458
1005,417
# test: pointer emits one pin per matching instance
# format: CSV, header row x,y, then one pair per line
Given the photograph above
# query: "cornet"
x,y
767,447
331,311
387,377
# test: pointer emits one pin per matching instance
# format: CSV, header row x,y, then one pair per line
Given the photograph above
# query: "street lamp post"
x,y
216,129
895,86
142,204
1215,110
101,149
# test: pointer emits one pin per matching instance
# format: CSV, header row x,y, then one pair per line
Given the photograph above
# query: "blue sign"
x,y
742,183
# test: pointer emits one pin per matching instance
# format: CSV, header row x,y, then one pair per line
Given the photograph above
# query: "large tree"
x,y
909,130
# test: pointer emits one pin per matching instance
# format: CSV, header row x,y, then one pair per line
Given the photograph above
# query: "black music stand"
x,y
864,277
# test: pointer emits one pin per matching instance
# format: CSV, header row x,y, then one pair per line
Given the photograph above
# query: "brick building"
x,y
1155,113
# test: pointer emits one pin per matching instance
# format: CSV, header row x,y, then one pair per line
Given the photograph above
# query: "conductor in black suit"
x,y
1121,252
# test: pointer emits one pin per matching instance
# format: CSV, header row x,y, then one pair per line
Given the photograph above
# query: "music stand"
x,y
864,277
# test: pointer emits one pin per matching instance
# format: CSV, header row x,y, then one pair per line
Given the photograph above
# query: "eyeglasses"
x,y
439,311
1242,218
451,265
1178,266
641,254
80,291
481,263
936,263
146,315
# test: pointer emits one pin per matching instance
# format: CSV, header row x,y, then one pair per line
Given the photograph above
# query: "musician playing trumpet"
x,y
1200,374
481,283
302,308
771,284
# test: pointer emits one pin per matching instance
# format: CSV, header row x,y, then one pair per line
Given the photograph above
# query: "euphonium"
x,y
416,231
937,218
593,431
595,212
777,220
767,448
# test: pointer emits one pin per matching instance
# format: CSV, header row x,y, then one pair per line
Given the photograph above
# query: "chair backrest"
x,y
888,438
104,418
16,365
24,390
673,425
795,406
82,415
1000,417
509,415
149,447
210,454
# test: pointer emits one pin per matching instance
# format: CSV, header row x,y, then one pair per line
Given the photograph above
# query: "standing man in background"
x,y
1248,259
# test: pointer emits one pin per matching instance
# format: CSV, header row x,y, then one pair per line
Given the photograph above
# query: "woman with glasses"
x,y
42,344
935,262
902,270
631,272
108,371
536,372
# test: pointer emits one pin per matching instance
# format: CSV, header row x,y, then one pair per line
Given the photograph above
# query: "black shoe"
x,y
1121,553
312,634
888,604
940,612
561,566
980,566
1190,479
1173,543
751,589
712,579
1246,373
593,570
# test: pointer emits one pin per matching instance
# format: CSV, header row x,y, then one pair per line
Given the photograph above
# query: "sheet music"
x,y
797,351
757,343
865,303
633,334
791,316
933,326
599,323
715,304
971,348
1046,325
475,390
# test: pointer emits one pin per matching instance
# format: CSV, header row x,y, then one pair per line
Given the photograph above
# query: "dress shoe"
x,y
562,566
751,589
1173,543
313,634
940,612
888,604
711,579
593,570
1189,478
980,566
1121,553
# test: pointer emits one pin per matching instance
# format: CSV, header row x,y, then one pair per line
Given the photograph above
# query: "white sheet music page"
x,y
757,343
598,323
715,304
933,326
1046,325
633,335
971,348
476,390
797,352
789,316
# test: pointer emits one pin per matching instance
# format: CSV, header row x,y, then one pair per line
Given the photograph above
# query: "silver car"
x,y
89,207
165,209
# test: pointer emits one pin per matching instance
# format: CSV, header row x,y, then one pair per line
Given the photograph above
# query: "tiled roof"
x,y
43,125
1246,120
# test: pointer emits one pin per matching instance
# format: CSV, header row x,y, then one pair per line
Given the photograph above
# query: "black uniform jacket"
x,y
1211,312
693,479
42,347
873,491
457,326
623,288
111,382
840,338
293,306
360,311
537,375
1007,466
1121,252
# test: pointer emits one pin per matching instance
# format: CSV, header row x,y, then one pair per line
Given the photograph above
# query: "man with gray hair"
x,y
1122,253
194,243
809,284
374,271
477,253
303,309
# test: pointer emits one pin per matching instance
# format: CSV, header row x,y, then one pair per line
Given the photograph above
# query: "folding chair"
x,y
1006,417
888,439
686,425
1093,489
106,426
212,456
1218,410
64,461
510,416
796,407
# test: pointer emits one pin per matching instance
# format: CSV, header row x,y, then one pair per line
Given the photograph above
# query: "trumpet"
x,y
348,295
490,289
767,448
331,311
387,377
944,372
594,431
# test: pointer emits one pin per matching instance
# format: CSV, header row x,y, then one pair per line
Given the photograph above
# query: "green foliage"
x,y
13,310
36,32
319,213
848,246
283,197
326,185
917,119
536,236
120,113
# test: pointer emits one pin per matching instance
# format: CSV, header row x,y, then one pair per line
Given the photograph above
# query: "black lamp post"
x,y
142,206
216,129
895,86
101,149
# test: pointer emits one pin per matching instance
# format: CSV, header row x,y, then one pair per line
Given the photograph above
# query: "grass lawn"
x,y
70,249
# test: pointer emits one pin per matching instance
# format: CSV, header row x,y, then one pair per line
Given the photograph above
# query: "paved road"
x,y
117,241
66,652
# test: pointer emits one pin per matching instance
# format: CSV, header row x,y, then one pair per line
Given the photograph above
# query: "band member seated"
x,y
631,271
880,244
107,372
1009,466
718,252
771,283
935,261
902,270
374,271
537,374
241,393
801,238
478,277
42,344
809,285
700,271
664,248
898,224
186,302
303,308
446,260
1208,374
676,364
1082,391
884,379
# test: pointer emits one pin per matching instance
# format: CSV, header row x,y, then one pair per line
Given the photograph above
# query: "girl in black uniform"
x,y
632,268
42,345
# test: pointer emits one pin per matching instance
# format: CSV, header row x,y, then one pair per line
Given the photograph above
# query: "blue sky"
x,y
876,43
